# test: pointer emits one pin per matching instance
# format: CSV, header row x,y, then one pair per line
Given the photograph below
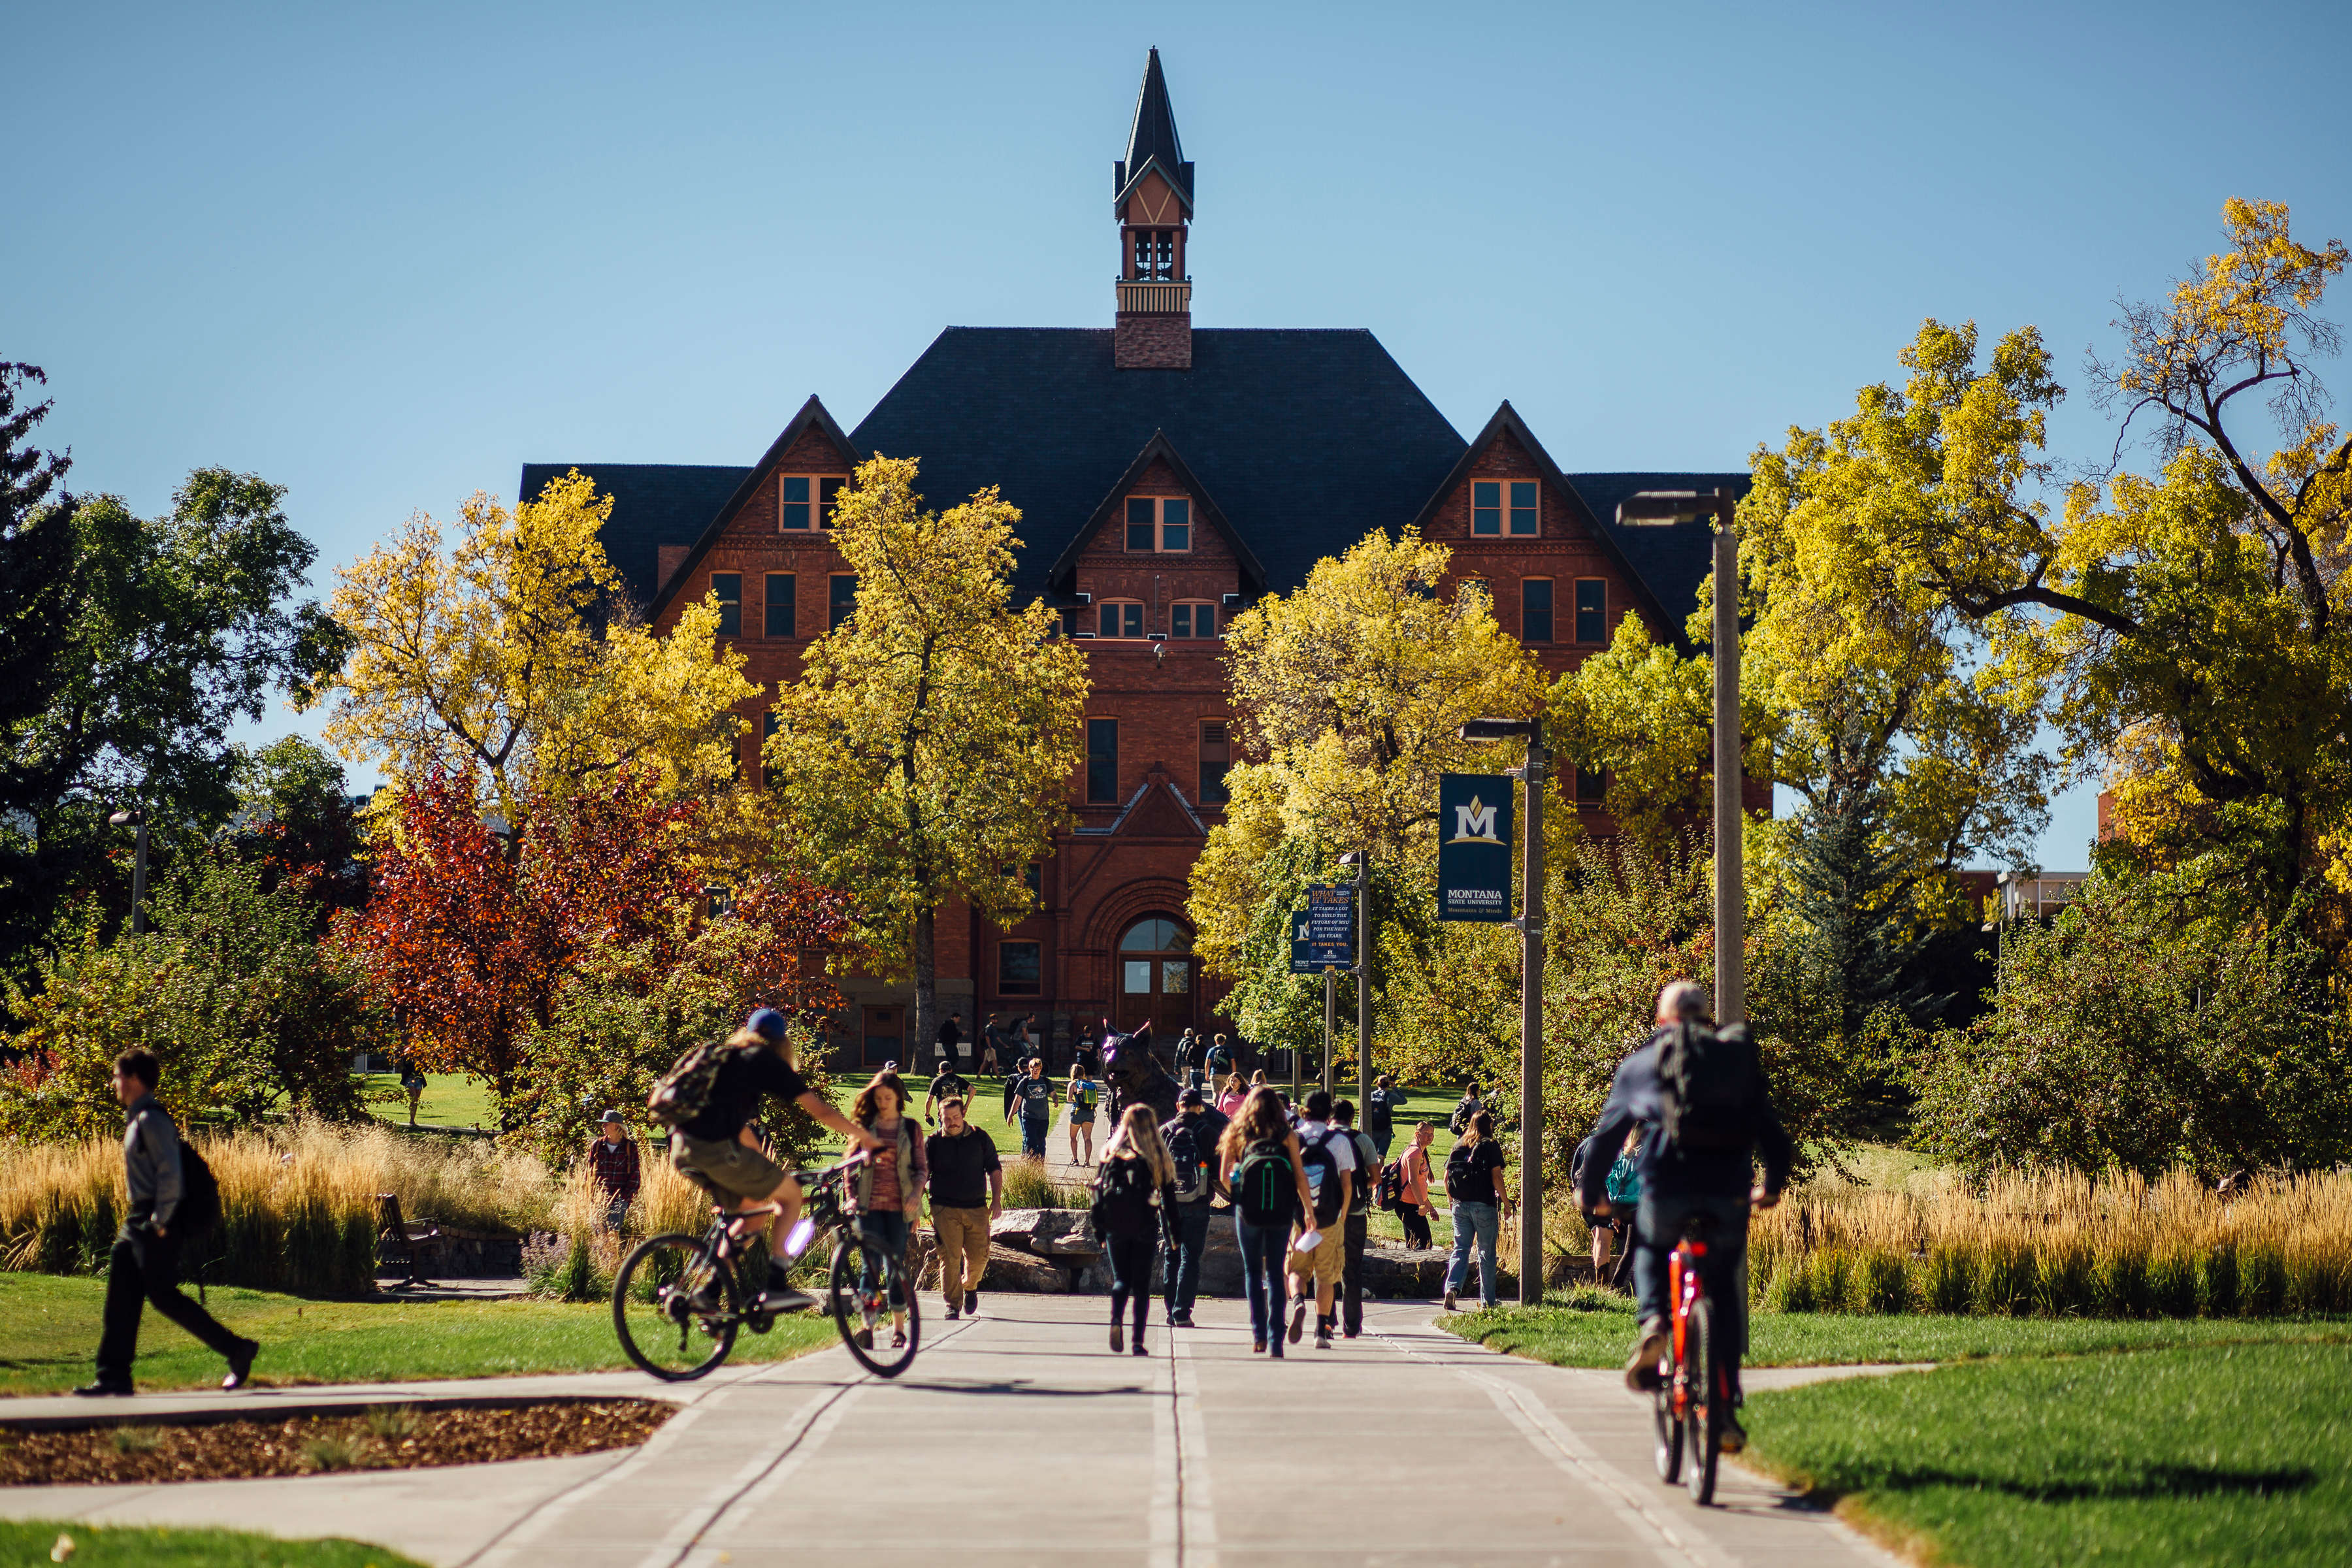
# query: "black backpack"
x,y
1263,1188
1392,1185
1457,1176
1191,1173
1125,1198
1710,1089
1327,1188
200,1206
684,1091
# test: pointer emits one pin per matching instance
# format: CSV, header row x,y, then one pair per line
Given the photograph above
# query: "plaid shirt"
x,y
615,1165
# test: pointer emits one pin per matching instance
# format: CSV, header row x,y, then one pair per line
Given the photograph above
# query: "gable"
x,y
811,434
654,505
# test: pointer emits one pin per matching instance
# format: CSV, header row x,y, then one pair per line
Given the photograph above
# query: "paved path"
x,y
1018,1439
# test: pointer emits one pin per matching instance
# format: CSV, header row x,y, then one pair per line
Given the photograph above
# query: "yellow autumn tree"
x,y
927,752
513,655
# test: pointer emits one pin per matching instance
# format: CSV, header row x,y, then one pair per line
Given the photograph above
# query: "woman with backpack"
x,y
1258,1161
1473,1184
1132,1192
891,1182
1083,1093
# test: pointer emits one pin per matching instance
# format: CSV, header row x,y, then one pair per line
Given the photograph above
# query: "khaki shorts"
x,y
1324,1263
729,1166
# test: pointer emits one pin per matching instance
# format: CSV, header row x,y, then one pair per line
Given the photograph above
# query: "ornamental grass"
x,y
2060,1245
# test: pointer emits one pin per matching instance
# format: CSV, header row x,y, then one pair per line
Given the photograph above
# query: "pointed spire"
x,y
1152,137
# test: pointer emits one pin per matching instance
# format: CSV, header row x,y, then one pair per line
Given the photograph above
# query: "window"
x,y
1102,761
1535,610
1121,620
728,586
1591,610
843,603
1032,875
1592,785
1020,968
1216,756
783,591
1162,525
1155,254
1486,508
802,492
1193,619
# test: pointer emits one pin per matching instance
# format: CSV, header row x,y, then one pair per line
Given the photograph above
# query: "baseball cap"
x,y
1191,1097
768,1023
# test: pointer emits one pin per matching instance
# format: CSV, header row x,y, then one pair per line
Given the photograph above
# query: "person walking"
x,y
1219,1059
1696,1165
1468,1106
1356,1231
946,1084
950,1036
1132,1192
1473,1186
1381,1102
1081,1099
1230,1097
967,1195
1031,1097
1319,1246
1414,1210
413,1080
166,1209
1191,1137
613,1167
890,1186
1088,1053
1258,1162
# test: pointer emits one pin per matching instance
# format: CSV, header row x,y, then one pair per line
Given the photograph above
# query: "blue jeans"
x,y
1483,1221
885,1234
1033,1135
1381,1139
1723,1274
1262,1252
1185,1247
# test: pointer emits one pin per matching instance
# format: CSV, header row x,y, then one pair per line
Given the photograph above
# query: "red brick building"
x,y
1168,476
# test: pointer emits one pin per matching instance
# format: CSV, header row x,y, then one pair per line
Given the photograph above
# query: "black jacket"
x,y
1666,1170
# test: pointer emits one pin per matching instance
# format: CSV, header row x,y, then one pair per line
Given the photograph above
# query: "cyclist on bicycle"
x,y
1715,1099
718,1146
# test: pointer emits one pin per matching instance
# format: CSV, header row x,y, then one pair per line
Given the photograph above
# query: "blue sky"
x,y
384,256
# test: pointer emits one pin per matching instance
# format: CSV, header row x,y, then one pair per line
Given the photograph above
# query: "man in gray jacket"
x,y
145,1265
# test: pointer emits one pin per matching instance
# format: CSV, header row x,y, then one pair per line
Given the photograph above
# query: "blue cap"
x,y
768,1023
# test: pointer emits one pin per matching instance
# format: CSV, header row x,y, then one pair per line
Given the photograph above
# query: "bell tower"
x,y
1154,186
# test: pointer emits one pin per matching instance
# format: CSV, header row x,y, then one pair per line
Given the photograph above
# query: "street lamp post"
x,y
1660,508
138,866
1530,926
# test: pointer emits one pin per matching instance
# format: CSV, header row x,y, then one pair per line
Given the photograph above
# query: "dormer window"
x,y
1158,525
1488,509
808,499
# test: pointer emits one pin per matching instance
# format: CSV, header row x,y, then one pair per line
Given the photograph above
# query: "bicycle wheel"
x,y
1704,1411
863,1316
675,1307
1670,1428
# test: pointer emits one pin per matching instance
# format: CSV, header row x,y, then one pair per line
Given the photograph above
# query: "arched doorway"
x,y
1154,974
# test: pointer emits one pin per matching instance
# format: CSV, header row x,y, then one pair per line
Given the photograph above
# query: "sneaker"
x,y
1449,1300
953,1314
1298,1319
240,1364
1181,1321
897,1339
1257,1347
1118,1340
1322,1339
1138,1349
1733,1437
104,1391
1642,1370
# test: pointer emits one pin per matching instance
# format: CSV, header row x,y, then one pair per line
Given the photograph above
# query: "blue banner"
x,y
1473,847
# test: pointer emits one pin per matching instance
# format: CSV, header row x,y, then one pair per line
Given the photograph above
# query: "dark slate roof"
x,y
653,504
1152,139
1674,560
1306,439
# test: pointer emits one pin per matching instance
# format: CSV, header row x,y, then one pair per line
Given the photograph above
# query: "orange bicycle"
x,y
1694,1393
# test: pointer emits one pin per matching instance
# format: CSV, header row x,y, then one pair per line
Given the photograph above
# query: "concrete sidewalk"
x,y
1017,1439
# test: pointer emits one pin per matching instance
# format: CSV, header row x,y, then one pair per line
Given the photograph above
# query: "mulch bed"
x,y
380,1437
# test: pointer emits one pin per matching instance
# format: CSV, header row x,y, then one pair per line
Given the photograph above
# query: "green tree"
x,y
928,749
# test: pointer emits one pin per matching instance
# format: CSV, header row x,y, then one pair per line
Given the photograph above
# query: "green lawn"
x,y
1595,1328
450,1099
48,1332
2231,1454
123,1546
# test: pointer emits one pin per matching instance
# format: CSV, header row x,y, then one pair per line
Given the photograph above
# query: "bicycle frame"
x,y
1683,1289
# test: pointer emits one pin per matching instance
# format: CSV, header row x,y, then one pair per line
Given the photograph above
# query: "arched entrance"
x,y
1154,974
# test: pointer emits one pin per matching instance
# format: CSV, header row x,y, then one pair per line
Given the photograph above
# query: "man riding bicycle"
x,y
718,1146
1706,1097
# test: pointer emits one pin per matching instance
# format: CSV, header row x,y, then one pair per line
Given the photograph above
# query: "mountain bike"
x,y
680,1302
1693,1392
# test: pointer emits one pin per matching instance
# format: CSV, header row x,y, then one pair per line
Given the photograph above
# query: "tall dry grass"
x,y
2059,1245
298,1204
